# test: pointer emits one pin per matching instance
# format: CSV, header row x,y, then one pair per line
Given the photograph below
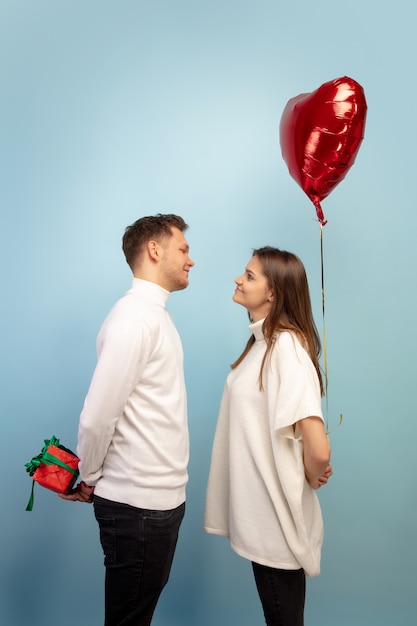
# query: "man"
x,y
133,433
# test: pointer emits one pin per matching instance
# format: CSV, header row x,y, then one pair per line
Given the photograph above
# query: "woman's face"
x,y
252,290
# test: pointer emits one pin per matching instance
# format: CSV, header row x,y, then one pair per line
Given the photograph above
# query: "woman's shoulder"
x,y
287,338
289,343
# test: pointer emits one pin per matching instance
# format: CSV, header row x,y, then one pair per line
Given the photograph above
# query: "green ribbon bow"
x,y
47,459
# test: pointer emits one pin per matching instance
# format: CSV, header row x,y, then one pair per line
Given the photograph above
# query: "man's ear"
x,y
154,250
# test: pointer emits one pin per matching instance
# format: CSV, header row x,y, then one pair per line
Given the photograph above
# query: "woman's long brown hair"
x,y
291,306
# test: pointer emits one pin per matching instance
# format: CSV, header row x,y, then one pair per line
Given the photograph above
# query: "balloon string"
x,y
325,362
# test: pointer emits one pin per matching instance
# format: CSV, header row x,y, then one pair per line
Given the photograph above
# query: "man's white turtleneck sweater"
x,y
133,434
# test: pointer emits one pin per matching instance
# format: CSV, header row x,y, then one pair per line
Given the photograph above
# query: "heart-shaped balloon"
x,y
320,135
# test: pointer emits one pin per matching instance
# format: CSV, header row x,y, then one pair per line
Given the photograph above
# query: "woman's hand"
x,y
325,476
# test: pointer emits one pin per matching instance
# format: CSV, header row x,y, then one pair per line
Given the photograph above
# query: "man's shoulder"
x,y
131,307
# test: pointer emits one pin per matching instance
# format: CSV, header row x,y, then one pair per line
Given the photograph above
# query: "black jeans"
x,y
282,594
138,546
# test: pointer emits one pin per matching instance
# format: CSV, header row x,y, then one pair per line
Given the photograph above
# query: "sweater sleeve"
x,y
293,384
123,350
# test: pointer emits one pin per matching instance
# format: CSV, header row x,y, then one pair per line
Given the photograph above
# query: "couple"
x,y
270,451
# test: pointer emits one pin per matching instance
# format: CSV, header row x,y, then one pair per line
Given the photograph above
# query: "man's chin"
x,y
181,286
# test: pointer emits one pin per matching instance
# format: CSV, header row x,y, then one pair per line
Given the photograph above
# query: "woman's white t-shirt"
x,y
257,493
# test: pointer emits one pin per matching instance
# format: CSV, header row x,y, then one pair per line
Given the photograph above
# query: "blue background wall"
x,y
113,110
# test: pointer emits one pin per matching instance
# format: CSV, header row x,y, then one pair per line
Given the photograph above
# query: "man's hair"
x,y
145,229
291,307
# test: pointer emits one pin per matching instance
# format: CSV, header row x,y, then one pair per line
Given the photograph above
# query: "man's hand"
x,y
81,493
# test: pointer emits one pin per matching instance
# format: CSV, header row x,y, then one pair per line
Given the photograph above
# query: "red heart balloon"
x,y
320,135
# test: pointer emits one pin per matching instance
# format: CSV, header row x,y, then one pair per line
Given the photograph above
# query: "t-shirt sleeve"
x,y
293,386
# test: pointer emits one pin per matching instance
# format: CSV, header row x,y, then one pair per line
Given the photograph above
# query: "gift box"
x,y
55,468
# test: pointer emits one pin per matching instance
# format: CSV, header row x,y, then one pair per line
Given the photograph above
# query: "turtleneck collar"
x,y
256,328
153,291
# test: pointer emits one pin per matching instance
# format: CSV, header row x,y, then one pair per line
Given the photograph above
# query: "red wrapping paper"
x,y
55,477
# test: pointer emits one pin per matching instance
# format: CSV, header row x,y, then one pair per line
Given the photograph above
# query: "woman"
x,y
270,451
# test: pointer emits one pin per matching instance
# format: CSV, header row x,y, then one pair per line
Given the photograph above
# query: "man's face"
x,y
175,262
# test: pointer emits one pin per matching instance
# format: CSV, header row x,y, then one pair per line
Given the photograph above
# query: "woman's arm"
x,y
316,451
